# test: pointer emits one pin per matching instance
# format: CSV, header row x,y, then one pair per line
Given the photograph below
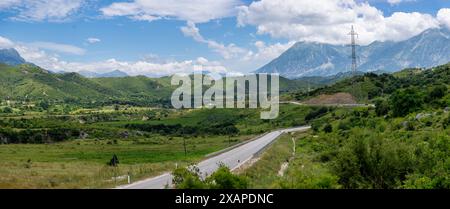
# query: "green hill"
x,y
30,83
27,82
369,86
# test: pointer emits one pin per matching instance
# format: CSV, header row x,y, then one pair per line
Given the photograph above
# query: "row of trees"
x,y
180,130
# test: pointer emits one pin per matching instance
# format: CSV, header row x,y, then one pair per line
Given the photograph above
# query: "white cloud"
x,y
266,53
197,11
443,17
238,58
41,10
64,48
8,3
143,67
93,40
226,51
329,21
52,62
5,43
393,2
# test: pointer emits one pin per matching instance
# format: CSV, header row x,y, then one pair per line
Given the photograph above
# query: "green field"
x,y
83,163
74,162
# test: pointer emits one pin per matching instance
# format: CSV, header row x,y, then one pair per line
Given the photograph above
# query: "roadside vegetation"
x,y
403,142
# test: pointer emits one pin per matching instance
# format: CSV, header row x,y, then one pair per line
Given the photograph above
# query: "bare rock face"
x,y
422,115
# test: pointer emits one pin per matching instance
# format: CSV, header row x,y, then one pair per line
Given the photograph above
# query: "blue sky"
x,y
155,38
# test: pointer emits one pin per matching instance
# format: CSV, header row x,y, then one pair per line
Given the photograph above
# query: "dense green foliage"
x,y
191,178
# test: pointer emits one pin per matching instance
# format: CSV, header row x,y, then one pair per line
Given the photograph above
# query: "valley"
x,y
368,131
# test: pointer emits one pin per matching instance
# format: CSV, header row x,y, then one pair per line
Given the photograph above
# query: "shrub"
x,y
381,107
315,113
374,162
190,178
7,110
328,128
224,179
437,92
405,101
187,178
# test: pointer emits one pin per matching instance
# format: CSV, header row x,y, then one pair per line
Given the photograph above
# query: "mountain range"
x,y
112,74
11,57
430,48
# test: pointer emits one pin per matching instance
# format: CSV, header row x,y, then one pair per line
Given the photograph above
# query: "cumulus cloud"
x,y
329,21
5,43
41,10
443,17
197,11
93,40
42,58
227,51
265,53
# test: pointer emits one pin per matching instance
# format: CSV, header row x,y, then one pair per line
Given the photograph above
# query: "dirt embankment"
x,y
338,98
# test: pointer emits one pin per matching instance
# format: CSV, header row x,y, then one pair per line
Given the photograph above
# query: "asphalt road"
x,y
233,159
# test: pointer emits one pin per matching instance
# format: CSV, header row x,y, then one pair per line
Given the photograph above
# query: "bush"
x,y
190,178
184,178
437,92
381,107
315,113
224,179
405,101
7,110
446,122
328,128
374,162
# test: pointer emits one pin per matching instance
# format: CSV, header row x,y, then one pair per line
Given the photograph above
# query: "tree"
x,y
437,92
114,161
187,178
381,107
8,110
190,178
224,179
328,128
405,101
44,105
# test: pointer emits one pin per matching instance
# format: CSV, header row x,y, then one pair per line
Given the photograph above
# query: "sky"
x,y
161,37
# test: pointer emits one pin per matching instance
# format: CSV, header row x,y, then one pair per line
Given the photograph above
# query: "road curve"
x,y
233,159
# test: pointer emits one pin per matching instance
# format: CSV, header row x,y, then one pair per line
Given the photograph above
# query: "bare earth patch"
x,y
338,98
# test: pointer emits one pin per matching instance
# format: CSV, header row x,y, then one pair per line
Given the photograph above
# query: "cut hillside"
x,y
329,99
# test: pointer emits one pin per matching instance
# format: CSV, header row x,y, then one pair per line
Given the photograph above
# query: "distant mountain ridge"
x,y
30,82
11,57
430,48
112,74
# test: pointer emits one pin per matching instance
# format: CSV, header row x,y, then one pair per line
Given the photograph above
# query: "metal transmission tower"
x,y
353,34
